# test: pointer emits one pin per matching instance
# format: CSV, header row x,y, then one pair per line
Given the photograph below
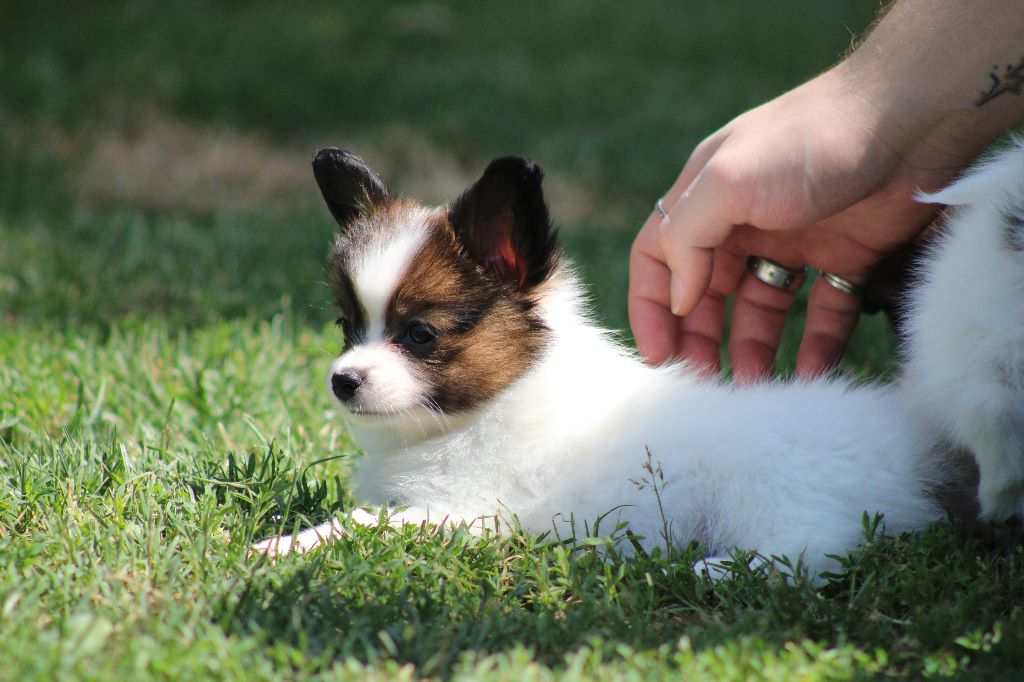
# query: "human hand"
x,y
824,176
816,177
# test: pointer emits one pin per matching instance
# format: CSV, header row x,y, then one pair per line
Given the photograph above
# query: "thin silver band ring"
x,y
842,284
659,206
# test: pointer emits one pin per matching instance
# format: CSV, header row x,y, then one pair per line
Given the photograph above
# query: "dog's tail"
x,y
965,327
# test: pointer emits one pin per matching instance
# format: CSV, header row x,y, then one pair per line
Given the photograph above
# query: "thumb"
x,y
701,219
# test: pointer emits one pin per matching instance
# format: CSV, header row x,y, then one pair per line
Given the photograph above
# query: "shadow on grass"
x,y
943,600
427,598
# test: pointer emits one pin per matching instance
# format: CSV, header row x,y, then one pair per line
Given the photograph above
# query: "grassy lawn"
x,y
165,334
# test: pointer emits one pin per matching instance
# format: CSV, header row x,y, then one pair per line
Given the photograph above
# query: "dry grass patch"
x,y
165,164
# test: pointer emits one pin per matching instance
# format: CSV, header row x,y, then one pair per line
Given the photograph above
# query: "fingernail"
x,y
675,292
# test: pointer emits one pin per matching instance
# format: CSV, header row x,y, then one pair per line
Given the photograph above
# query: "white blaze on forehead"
x,y
378,270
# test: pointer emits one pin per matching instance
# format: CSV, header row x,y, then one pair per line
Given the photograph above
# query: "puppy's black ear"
x,y
350,187
503,222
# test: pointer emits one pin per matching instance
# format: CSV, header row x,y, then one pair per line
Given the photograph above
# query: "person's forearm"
x,y
946,69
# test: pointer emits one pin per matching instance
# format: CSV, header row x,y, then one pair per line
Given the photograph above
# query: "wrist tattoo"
x,y
1010,80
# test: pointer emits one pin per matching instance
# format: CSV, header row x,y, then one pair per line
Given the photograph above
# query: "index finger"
x,y
654,326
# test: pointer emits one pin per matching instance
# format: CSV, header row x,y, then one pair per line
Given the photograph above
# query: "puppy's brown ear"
x,y
350,187
503,223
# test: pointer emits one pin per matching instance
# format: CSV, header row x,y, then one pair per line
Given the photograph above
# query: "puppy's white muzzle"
x,y
376,378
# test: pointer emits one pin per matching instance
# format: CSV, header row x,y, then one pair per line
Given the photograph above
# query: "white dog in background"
x,y
478,384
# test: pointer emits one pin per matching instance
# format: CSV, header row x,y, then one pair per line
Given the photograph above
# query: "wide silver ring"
x,y
659,206
775,275
844,285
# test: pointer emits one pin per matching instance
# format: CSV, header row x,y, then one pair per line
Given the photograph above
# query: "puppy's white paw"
x,y
363,518
273,547
300,543
714,567
722,567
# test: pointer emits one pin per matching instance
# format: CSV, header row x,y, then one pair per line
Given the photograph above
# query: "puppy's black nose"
x,y
345,383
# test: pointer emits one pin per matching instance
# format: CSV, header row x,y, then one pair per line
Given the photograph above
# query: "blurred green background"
x,y
154,155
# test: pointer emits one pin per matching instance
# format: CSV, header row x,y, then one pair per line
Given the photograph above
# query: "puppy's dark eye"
x,y
421,333
418,337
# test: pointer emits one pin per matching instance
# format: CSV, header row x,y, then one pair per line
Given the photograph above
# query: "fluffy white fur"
x,y
966,332
781,468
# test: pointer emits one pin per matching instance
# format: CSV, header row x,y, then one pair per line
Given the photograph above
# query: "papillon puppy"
x,y
480,387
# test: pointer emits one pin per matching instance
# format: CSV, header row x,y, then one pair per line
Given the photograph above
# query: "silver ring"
x,y
844,285
659,206
775,275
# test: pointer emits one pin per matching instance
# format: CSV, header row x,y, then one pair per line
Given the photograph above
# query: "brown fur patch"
x,y
489,333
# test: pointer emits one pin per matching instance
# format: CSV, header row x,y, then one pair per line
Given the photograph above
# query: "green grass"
x,y
162,399
139,464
